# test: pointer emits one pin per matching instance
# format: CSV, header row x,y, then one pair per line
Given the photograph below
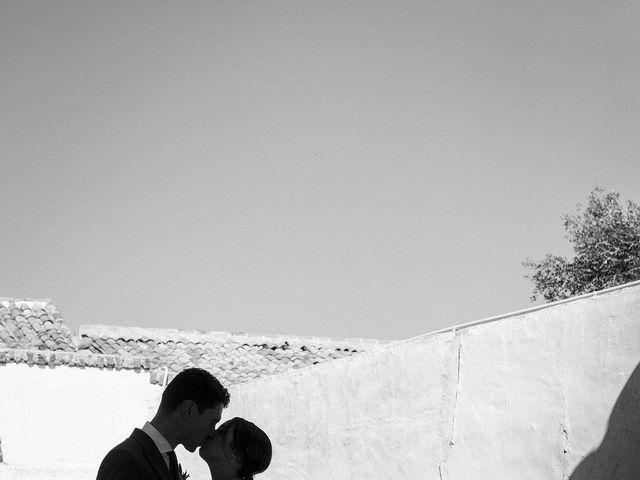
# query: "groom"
x,y
190,408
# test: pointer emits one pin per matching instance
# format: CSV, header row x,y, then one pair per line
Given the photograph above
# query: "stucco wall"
x,y
527,396
67,415
523,397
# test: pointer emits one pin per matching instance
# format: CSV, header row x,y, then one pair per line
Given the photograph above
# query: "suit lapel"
x,y
154,457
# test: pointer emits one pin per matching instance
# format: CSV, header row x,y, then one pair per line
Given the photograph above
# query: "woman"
x,y
237,451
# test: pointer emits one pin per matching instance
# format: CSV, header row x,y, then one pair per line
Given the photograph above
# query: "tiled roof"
x,y
81,358
34,325
34,332
231,357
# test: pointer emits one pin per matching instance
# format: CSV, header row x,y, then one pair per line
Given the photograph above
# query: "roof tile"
x,y
26,324
34,332
233,358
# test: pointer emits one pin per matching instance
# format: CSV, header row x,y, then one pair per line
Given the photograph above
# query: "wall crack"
x,y
455,399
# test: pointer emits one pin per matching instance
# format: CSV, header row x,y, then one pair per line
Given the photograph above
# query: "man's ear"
x,y
188,408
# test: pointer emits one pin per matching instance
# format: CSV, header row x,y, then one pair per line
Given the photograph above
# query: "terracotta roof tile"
x,y
231,357
34,332
33,324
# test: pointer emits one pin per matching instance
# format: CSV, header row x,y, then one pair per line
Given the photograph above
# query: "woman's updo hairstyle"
x,y
252,446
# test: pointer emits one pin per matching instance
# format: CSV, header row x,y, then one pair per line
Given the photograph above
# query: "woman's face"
x,y
218,452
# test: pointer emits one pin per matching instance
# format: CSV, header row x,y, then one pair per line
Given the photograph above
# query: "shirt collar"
x,y
158,439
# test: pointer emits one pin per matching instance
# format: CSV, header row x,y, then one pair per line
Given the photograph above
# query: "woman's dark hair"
x,y
252,446
197,385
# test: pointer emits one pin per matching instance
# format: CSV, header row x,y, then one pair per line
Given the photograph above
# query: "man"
x,y
190,408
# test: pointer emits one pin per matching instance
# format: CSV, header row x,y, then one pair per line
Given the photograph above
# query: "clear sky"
x,y
343,169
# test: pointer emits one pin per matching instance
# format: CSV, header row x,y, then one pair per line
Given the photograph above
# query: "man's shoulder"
x,y
128,448
125,460
134,444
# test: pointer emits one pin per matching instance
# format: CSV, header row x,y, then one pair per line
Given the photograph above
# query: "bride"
x,y
238,451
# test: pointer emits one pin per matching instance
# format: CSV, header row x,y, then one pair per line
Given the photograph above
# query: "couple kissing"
x,y
190,408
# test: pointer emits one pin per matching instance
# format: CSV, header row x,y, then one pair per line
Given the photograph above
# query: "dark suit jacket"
x,y
137,458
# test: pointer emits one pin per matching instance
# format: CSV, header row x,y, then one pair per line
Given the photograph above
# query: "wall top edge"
x,y
525,311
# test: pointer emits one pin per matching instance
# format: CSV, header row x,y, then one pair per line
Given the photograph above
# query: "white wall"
x,y
351,418
526,397
67,415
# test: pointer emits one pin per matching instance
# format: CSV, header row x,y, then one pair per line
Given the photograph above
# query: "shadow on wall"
x,y
618,456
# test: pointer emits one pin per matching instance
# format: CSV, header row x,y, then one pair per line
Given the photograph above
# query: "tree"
x,y
606,242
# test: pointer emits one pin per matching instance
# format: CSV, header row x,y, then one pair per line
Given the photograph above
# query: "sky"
x,y
361,169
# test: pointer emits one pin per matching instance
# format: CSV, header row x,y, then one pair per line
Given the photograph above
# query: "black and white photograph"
x,y
312,240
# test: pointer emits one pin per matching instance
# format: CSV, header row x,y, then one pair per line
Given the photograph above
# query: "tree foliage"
x,y
606,242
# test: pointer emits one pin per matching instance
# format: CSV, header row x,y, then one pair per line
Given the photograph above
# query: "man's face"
x,y
200,425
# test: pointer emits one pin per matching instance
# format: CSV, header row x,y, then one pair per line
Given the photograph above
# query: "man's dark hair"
x,y
197,385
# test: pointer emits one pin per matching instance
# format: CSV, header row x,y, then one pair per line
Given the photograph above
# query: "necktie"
x,y
173,465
